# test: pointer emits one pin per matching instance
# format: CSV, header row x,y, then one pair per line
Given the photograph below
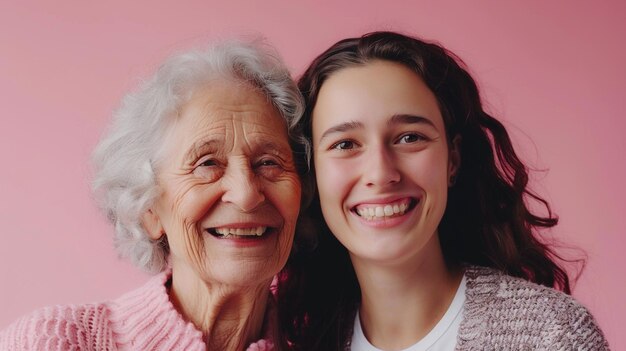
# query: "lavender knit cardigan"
x,y
143,319
506,313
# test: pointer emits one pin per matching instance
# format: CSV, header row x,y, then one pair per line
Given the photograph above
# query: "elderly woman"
x,y
198,176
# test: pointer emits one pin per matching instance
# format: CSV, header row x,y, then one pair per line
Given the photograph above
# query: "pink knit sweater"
x,y
143,319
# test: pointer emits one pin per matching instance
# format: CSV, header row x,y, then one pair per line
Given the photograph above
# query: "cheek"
x,y
430,172
438,177
285,196
184,214
196,202
333,177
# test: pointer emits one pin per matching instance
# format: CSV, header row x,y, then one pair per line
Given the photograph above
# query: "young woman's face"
x,y
382,162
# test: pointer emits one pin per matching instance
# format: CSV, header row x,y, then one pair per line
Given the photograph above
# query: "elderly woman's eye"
x,y
268,162
208,169
343,145
269,168
207,163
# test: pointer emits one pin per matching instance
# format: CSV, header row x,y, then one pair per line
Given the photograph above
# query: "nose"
x,y
242,188
380,168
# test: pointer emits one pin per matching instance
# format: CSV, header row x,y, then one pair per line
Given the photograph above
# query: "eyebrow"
x,y
340,128
395,119
211,146
410,119
200,147
274,147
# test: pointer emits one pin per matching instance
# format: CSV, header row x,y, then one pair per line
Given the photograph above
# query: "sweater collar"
x,y
482,286
146,319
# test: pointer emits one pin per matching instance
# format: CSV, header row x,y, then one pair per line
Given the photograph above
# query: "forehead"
x,y
225,114
226,101
228,96
378,88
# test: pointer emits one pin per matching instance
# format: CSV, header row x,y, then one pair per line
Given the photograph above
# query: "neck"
x,y
230,317
402,302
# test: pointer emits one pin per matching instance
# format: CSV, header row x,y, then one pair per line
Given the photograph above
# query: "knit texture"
x,y
143,319
506,313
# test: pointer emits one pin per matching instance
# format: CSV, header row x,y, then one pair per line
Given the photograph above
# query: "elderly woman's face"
x,y
230,190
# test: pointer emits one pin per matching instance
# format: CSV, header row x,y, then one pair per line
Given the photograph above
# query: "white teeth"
x,y
388,210
226,232
379,212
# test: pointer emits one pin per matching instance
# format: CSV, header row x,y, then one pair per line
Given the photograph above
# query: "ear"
x,y
454,160
152,224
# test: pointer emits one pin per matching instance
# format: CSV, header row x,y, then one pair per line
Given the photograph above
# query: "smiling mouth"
x,y
376,212
239,233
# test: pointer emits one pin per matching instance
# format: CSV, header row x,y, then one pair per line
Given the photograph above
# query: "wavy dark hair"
x,y
487,221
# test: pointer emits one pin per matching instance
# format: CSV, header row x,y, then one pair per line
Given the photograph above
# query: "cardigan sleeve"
x,y
581,332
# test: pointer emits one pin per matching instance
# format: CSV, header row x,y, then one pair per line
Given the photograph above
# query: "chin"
x,y
245,276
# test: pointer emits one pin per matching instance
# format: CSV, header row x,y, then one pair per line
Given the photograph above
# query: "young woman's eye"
x,y
410,138
343,145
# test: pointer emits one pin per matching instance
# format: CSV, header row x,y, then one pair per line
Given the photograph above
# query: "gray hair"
x,y
125,183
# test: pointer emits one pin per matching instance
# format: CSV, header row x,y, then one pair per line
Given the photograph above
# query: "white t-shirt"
x,y
441,338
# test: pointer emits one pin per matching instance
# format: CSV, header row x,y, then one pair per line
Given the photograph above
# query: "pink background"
x,y
554,71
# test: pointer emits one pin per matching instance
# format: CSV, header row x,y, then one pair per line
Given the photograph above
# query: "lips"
x,y
379,211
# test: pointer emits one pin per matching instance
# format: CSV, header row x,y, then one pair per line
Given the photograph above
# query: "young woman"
x,y
429,242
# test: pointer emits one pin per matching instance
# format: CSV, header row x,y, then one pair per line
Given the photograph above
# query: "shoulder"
x,y
92,326
496,289
58,328
509,308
